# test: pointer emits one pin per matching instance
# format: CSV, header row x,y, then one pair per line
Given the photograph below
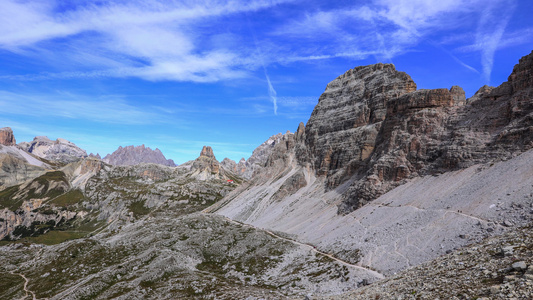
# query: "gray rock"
x,y
134,155
59,150
507,251
519,266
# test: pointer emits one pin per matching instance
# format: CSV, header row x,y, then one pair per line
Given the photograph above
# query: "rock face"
x,y
207,166
257,161
6,137
229,165
372,128
344,126
131,155
207,151
431,168
59,150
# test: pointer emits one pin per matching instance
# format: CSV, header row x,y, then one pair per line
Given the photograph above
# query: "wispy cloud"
x,y
182,40
388,28
66,105
272,93
490,30
157,40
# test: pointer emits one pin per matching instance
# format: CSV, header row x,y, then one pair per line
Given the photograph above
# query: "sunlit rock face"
x,y
373,127
59,150
6,137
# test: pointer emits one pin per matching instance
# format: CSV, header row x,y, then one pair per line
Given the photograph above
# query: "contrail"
x,y
271,92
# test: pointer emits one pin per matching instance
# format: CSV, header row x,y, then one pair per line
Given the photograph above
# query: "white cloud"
x,y
181,40
387,28
64,105
157,40
491,27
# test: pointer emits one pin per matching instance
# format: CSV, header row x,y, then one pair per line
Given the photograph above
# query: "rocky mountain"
x,y
388,177
386,131
133,155
17,165
389,190
138,233
206,166
6,137
59,150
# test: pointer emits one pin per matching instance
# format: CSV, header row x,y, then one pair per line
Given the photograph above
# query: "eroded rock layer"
x,y
371,127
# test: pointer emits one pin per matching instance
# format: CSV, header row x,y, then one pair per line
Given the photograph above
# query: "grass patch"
x,y
6,198
55,237
138,208
70,198
51,176
11,286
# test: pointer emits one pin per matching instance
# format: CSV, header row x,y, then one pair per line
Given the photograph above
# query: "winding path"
x,y
26,281
312,248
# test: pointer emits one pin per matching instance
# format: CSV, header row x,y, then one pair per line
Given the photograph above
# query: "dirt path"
x,y
312,248
26,281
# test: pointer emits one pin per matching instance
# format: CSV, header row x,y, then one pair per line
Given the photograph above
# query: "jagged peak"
x,y
132,155
7,138
207,151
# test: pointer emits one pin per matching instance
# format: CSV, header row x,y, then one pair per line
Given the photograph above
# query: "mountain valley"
x,y
388,192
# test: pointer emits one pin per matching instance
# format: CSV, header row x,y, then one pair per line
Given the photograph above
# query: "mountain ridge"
x,y
132,155
382,178
356,172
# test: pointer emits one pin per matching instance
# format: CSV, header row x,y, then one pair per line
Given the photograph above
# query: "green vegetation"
x,y
36,228
45,181
70,198
51,176
138,208
11,286
39,188
54,237
50,233
6,198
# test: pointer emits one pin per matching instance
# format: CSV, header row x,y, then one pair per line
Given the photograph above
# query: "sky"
x,y
177,75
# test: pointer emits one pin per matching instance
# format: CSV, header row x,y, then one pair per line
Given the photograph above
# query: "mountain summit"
x,y
133,155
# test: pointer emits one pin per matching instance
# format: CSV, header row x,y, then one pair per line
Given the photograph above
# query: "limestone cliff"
x,y
392,181
373,129
6,137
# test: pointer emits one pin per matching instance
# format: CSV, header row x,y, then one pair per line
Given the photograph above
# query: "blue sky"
x,y
177,75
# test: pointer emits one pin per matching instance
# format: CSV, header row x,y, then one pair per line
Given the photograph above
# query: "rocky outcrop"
x,y
6,137
207,151
97,155
229,164
133,155
59,150
343,129
357,184
15,170
206,165
257,161
372,128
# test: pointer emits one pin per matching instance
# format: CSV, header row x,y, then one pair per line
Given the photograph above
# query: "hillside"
x,y
400,176
386,192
